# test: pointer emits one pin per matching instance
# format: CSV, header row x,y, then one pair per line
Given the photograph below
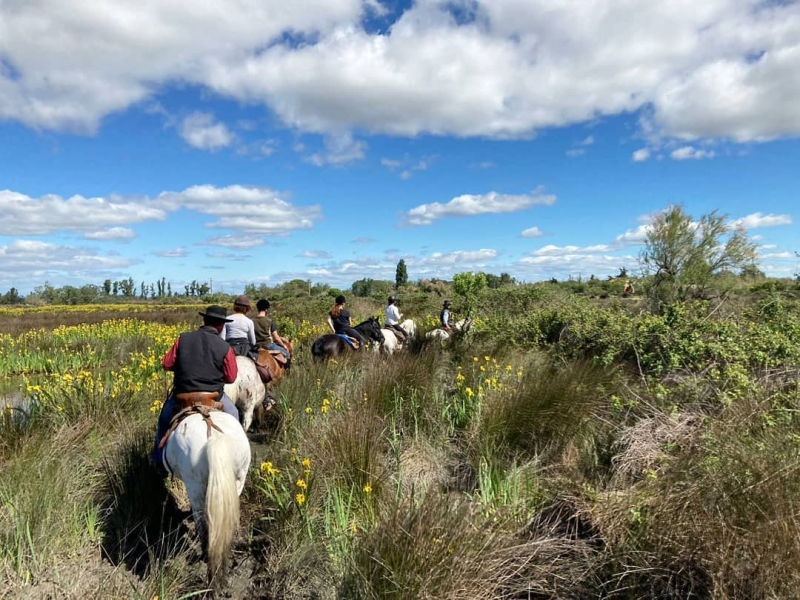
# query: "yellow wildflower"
x,y
301,499
306,463
309,410
301,483
367,489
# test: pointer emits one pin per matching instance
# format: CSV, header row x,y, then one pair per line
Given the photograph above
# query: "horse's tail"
x,y
222,501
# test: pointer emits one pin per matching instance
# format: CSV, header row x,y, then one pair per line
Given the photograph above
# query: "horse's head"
x,y
372,329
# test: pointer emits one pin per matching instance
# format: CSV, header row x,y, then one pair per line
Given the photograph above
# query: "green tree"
x,y
401,274
107,287
685,255
467,286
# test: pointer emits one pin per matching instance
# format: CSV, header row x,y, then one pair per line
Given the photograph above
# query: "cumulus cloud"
x,y
253,210
35,260
757,220
112,233
532,232
23,215
179,252
721,68
641,155
314,254
470,205
236,242
200,131
247,209
552,250
691,153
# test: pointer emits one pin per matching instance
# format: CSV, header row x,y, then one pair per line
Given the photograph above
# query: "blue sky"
x,y
327,139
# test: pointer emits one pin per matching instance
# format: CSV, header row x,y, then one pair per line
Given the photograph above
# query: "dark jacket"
x,y
199,361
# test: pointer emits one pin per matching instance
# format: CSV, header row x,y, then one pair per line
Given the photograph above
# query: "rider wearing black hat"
x,y
444,316
202,362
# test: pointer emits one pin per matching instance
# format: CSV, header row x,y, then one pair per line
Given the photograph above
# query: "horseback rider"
x,y
444,317
267,335
202,362
393,316
239,331
340,323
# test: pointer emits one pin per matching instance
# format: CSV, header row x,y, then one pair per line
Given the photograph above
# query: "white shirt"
x,y
392,315
241,327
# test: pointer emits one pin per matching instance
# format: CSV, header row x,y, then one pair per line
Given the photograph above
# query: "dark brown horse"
x,y
332,345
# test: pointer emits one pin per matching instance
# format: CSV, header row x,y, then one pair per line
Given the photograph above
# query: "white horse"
x,y
409,327
213,466
440,334
247,391
391,343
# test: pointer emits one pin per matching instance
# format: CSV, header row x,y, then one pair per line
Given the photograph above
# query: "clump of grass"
x,y
553,410
721,519
419,549
46,505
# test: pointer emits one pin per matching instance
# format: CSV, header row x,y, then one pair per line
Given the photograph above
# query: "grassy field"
x,y
566,447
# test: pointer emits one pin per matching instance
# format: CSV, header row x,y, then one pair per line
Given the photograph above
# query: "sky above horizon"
x,y
260,141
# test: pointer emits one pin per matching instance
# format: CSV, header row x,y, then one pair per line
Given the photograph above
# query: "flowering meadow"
x,y
559,448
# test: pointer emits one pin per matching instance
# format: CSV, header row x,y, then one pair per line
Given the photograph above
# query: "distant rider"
x,y
340,323
239,331
444,317
393,316
267,335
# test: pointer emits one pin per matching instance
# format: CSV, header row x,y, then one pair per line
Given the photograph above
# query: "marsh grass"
x,y
558,475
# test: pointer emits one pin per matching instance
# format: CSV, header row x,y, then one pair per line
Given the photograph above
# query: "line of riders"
x,y
204,360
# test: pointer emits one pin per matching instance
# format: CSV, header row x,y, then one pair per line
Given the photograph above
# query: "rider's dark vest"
x,y
199,361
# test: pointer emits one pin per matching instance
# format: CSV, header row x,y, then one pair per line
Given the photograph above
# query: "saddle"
x,y
351,341
264,365
201,409
189,399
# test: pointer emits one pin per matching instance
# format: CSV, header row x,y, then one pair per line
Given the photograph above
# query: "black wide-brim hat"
x,y
219,313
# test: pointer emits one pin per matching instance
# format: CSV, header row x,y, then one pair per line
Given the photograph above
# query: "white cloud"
x,y
575,152
363,240
339,150
633,237
23,215
641,155
757,220
36,261
237,242
253,210
200,131
551,250
721,68
438,260
532,232
179,252
407,166
691,153
112,233
315,254
470,205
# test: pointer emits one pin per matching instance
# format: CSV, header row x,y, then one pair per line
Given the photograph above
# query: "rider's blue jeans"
x,y
169,410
